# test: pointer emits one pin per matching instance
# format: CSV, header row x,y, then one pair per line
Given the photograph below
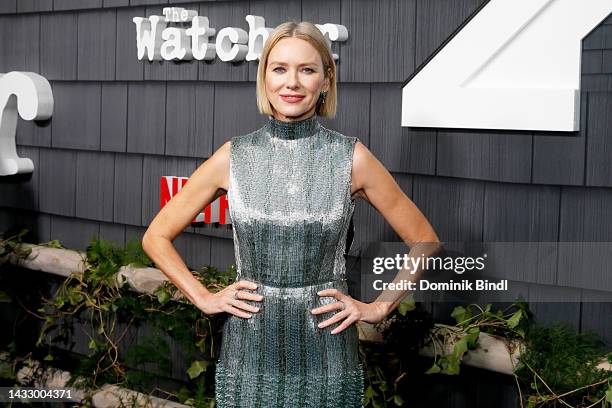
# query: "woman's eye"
x,y
309,70
278,69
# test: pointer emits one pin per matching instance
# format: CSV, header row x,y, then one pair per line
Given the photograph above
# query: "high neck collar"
x,y
292,130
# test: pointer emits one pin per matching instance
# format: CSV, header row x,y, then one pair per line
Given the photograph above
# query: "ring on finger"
x,y
343,305
236,295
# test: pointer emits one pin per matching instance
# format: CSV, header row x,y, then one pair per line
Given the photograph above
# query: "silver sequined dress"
x,y
290,205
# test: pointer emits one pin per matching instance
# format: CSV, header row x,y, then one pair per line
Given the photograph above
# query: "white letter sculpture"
x,y
30,95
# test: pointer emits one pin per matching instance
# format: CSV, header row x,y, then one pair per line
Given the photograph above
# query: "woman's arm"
x,y
207,183
372,182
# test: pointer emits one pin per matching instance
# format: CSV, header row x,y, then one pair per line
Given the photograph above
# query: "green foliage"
x,y
98,299
561,364
10,247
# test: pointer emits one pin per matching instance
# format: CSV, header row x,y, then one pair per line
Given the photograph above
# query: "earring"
x,y
322,96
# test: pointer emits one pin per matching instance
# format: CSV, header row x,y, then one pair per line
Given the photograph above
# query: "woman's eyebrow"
x,y
284,63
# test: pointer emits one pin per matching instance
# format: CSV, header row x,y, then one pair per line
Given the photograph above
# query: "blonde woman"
x,y
290,339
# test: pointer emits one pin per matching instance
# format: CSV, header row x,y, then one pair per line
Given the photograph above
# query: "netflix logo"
x,y
215,212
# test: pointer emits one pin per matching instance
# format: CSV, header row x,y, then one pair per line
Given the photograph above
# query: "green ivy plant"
x,y
110,309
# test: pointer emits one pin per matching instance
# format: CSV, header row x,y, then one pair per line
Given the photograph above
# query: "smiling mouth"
x,y
292,98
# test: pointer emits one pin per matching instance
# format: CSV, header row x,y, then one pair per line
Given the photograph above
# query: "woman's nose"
x,y
292,79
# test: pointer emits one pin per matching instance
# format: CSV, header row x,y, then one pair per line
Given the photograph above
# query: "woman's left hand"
x,y
349,310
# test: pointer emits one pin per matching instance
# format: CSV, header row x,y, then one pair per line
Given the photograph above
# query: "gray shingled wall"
x,y
119,124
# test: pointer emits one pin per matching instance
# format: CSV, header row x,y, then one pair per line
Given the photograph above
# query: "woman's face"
x,y
294,79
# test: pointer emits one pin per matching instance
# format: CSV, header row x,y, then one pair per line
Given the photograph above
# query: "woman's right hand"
x,y
231,300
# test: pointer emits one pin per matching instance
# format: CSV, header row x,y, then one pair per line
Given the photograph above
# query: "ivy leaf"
x,y
369,393
162,295
452,366
4,297
461,314
197,368
609,395
461,347
398,400
472,337
515,319
48,357
434,369
406,305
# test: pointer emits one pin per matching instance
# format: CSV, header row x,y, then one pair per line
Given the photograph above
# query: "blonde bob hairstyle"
x,y
308,32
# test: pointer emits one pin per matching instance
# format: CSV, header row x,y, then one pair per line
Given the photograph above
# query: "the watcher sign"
x,y
190,37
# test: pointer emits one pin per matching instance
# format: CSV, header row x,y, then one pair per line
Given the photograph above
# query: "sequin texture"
x,y
290,204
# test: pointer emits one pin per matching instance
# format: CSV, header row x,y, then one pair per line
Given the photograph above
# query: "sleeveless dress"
x,y
290,204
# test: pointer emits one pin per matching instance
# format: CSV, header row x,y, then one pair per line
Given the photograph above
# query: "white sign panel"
x,y
30,95
515,65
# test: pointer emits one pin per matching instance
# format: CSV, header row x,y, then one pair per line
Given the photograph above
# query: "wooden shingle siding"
x,y
128,189
381,40
146,128
222,253
74,233
400,149
14,32
596,305
8,6
232,101
76,115
94,185
147,2
58,46
129,67
224,14
113,232
115,3
24,6
57,170
454,207
194,247
113,117
97,33
59,5
436,21
189,119
592,62
558,158
33,134
322,12
521,213
153,168
353,112
21,191
554,304
599,140
370,225
485,154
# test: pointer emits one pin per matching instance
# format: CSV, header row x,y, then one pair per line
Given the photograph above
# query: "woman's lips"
x,y
292,98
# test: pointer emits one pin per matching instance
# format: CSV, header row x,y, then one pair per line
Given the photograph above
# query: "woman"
x,y
290,339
